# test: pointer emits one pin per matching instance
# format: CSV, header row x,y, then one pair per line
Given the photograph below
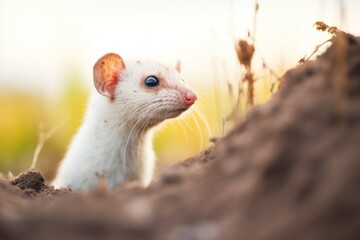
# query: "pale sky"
x,y
41,41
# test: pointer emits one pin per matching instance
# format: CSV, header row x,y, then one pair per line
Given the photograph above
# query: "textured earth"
x,y
290,169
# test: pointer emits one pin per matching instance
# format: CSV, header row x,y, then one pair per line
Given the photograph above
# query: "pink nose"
x,y
190,98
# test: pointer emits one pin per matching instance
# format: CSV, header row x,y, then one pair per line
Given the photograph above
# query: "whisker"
x,y
184,131
199,128
185,118
202,94
201,115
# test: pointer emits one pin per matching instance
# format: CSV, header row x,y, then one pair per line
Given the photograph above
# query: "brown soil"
x,y
289,170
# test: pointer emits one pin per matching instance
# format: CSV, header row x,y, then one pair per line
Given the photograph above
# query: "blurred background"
x,y
48,48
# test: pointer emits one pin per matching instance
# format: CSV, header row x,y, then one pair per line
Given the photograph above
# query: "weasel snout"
x,y
190,98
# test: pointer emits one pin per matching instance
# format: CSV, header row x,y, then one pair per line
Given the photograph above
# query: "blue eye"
x,y
152,81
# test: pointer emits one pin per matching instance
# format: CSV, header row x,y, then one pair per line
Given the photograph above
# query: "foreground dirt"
x,y
289,170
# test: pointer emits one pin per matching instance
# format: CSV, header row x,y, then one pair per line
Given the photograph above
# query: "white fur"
x,y
115,140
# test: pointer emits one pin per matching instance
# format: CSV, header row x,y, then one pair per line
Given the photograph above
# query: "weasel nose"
x,y
190,98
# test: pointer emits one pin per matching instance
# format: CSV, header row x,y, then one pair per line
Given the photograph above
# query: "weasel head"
x,y
146,91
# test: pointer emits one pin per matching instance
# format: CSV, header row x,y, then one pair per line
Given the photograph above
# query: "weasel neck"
x,y
119,137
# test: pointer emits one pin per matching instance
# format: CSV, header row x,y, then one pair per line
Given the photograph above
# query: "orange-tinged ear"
x,y
107,72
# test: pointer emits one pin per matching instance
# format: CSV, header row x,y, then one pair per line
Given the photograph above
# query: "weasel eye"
x,y
151,81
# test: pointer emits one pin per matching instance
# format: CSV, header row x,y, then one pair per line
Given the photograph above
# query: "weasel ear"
x,y
178,66
107,71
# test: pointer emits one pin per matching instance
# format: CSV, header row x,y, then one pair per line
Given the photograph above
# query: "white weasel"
x,y
114,140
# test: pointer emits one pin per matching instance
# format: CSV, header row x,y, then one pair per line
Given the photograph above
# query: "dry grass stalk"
x,y
9,175
321,26
317,48
43,136
273,74
245,50
257,6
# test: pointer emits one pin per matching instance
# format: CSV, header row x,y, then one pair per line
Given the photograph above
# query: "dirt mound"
x,y
289,170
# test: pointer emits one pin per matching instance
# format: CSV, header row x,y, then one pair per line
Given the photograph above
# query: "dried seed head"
x,y
333,30
301,61
321,26
245,52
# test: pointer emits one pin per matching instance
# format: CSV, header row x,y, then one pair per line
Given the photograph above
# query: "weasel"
x,y
114,140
